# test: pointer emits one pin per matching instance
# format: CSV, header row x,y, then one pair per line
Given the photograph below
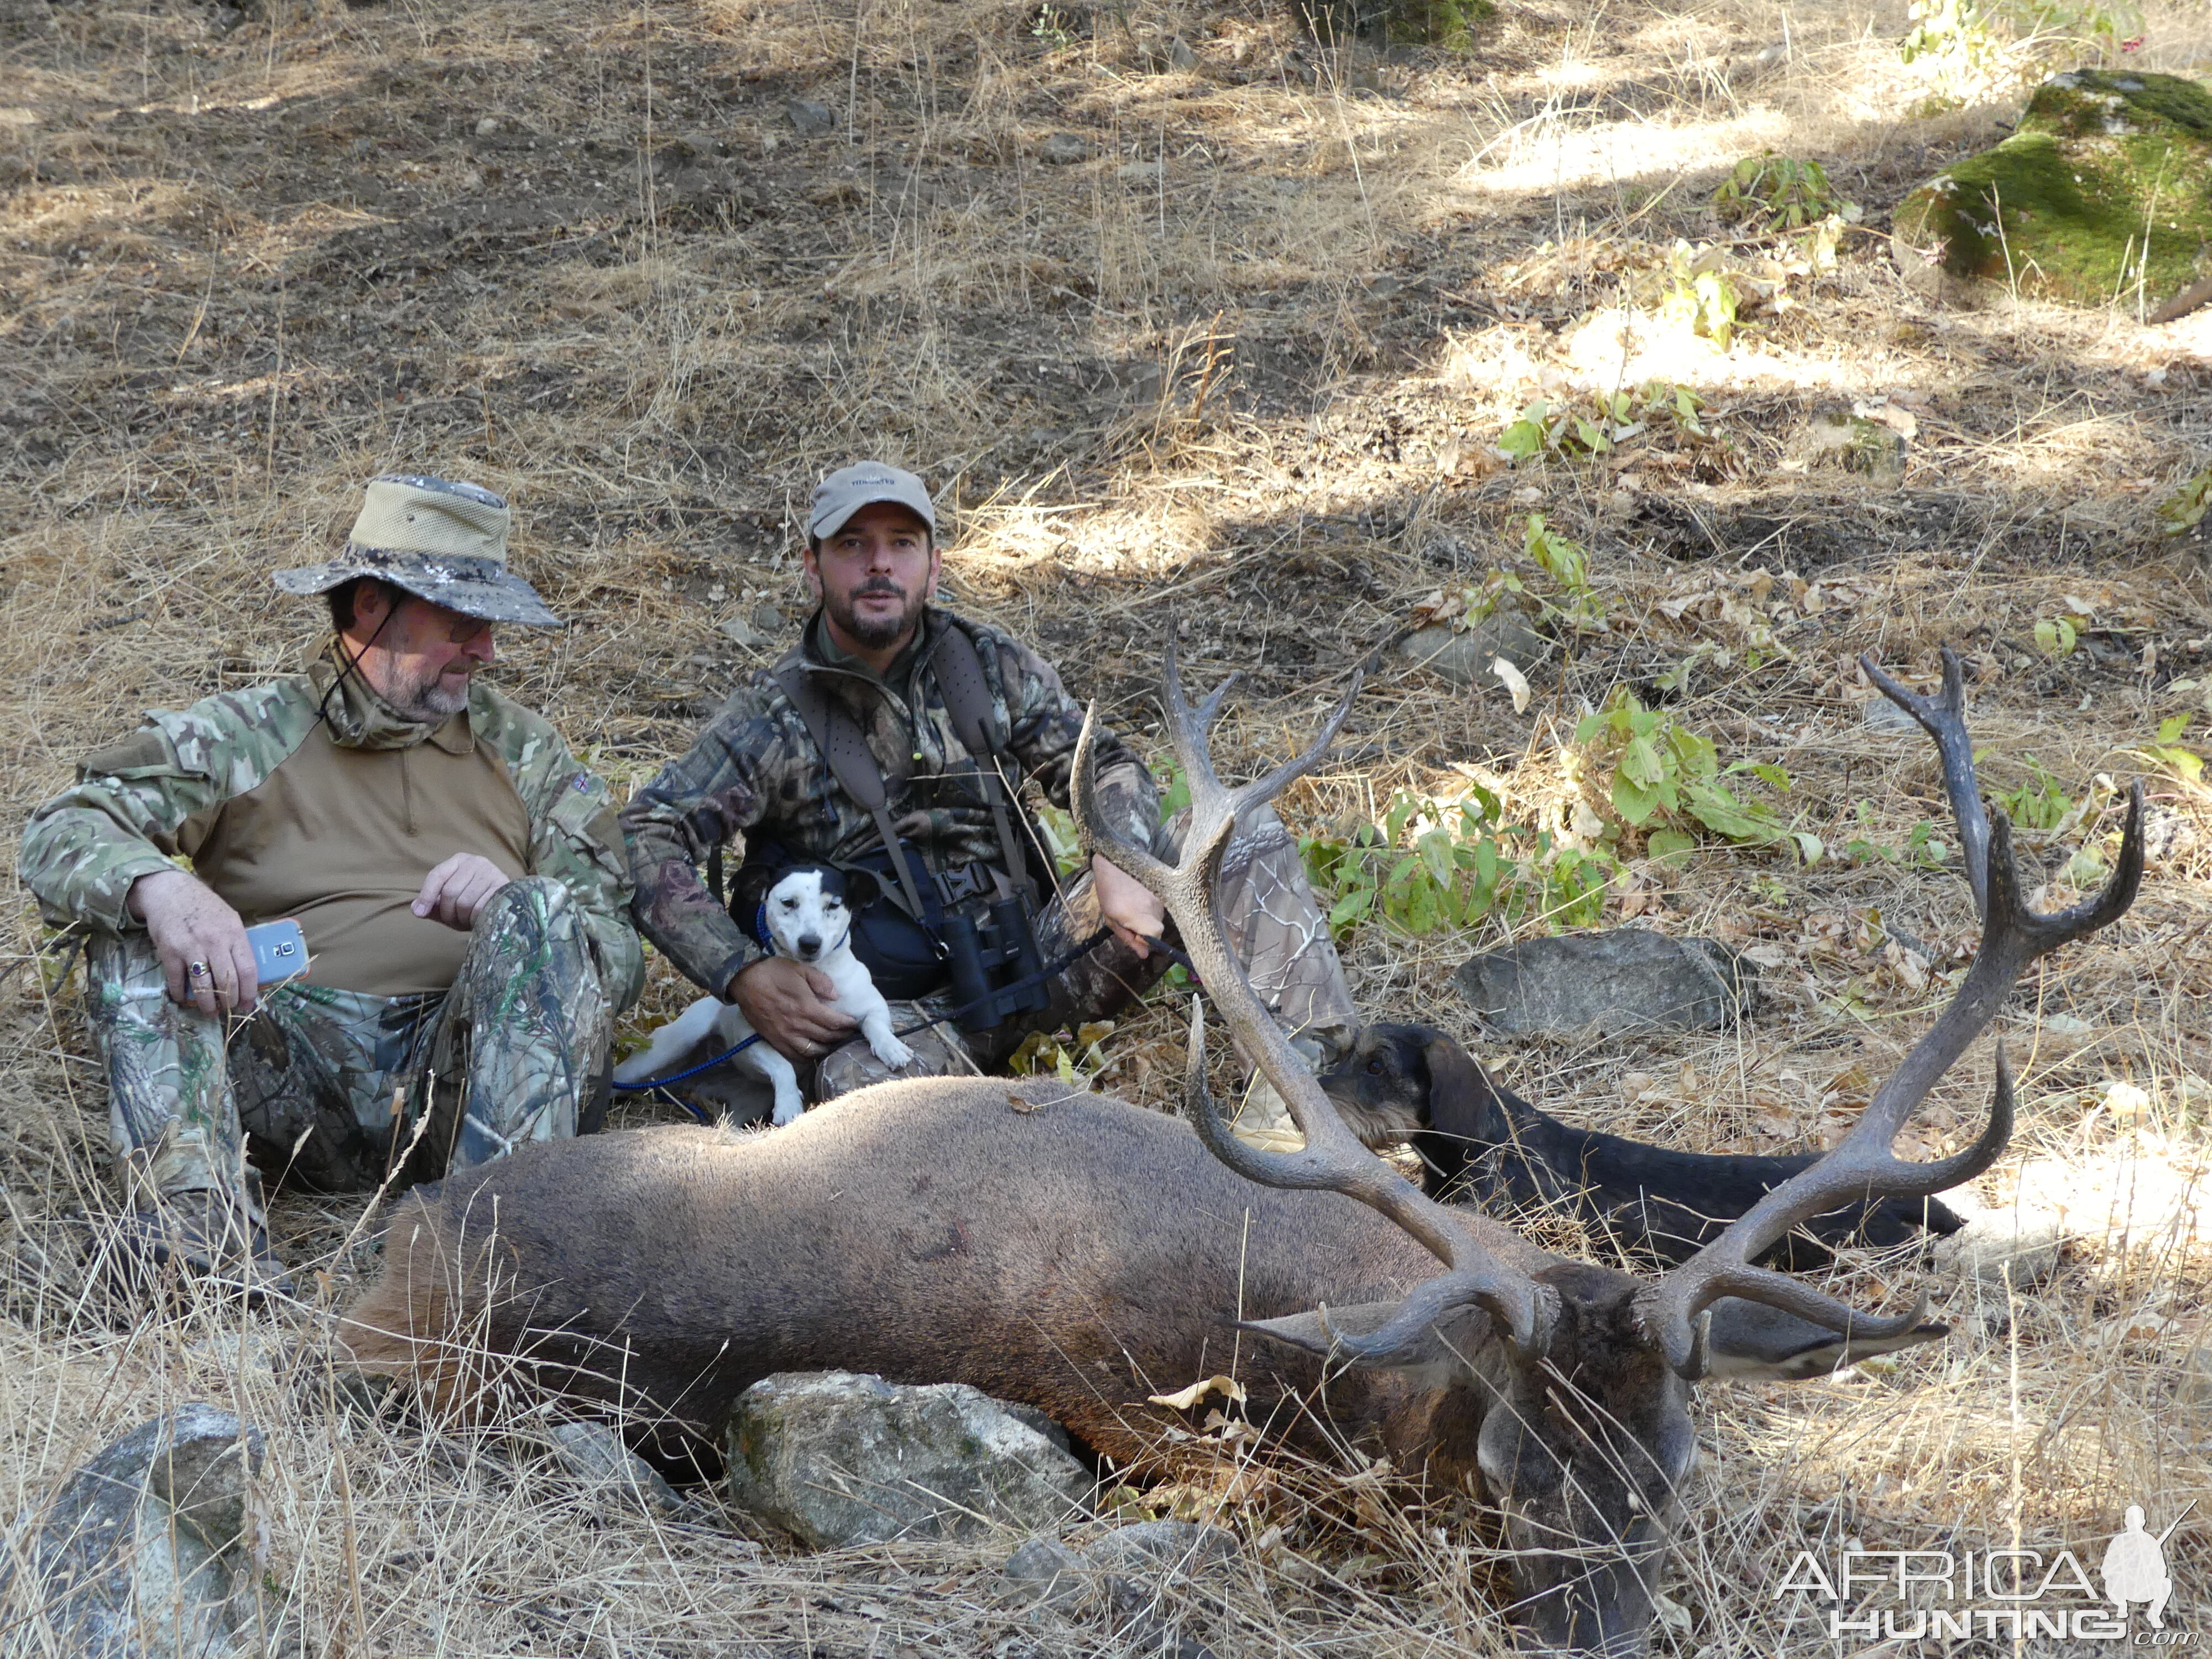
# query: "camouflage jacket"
x,y
754,771
123,818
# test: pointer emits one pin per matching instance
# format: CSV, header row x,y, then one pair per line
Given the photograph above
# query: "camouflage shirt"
x,y
134,806
756,771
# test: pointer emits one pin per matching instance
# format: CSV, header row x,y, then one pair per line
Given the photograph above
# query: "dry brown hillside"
x,y
1203,327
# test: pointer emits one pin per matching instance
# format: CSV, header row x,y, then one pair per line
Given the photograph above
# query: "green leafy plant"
x,y
2056,636
1664,777
1784,192
2185,763
1567,599
2037,804
1467,864
1923,846
2185,510
1700,296
1051,27
1569,431
1990,43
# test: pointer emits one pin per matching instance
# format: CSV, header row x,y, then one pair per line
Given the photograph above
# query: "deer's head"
x,y
1588,1437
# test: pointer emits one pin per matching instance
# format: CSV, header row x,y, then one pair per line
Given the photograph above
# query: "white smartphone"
x,y
280,951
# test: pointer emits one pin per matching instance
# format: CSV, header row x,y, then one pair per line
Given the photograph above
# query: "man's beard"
x,y
875,635
426,698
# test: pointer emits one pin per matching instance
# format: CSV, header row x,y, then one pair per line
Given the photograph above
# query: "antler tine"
x,y
1864,1166
1188,729
1944,718
1096,834
1282,776
1339,1164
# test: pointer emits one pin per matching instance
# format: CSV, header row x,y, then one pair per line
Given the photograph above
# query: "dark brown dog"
x,y
1483,1145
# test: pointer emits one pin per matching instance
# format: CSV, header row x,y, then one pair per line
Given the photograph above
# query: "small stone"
x,y
1063,149
1180,1546
1044,1572
836,1459
1464,656
768,619
487,126
809,120
1623,980
2010,1248
1181,58
1880,715
741,633
595,1455
2125,1103
140,1555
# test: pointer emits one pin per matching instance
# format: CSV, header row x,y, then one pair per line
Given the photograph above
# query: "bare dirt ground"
x,y
1198,327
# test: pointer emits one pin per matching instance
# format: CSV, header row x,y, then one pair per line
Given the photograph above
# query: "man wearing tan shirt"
x,y
458,877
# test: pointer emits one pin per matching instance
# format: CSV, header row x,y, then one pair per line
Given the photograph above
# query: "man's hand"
x,y
454,891
192,927
1132,910
792,1006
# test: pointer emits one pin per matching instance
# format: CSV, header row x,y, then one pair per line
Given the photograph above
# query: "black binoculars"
x,y
996,971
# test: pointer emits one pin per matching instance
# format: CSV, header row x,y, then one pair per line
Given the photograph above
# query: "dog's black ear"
x,y
750,891
861,889
1462,1102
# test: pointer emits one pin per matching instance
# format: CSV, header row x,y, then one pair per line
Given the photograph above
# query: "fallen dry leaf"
x,y
1183,1399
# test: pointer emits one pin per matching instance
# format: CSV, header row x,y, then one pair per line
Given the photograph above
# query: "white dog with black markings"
x,y
805,913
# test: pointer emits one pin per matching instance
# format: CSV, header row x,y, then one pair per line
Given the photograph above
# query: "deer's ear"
x,y
1462,1102
1315,1332
1753,1342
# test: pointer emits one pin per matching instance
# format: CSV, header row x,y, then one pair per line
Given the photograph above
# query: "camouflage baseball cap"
x,y
441,541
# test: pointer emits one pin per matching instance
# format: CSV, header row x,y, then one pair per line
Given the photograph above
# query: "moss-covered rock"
x,y
2106,187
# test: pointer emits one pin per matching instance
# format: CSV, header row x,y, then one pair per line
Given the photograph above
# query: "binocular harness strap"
x,y
966,700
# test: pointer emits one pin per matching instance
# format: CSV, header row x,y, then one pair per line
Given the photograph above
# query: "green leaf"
x,y
1351,908
1770,774
1634,803
1808,846
1640,763
1674,845
2170,728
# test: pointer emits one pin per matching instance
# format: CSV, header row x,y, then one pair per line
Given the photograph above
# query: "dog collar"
x,y
760,928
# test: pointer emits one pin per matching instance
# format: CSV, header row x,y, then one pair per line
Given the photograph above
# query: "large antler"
x,y
1863,1165
1333,1159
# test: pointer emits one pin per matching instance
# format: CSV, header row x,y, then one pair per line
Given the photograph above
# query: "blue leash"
x,y
1037,978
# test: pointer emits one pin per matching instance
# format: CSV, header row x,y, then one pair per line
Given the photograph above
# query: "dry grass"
x,y
1198,381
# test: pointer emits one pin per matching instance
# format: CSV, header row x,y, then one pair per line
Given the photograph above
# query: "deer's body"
x,y
1077,1256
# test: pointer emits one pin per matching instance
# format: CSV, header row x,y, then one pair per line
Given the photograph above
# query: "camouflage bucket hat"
x,y
441,541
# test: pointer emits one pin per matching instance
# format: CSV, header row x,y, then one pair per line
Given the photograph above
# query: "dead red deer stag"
x,y
1081,1255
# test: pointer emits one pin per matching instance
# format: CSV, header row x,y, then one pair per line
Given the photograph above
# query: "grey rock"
x,y
1063,149
1625,980
809,120
1036,1420
836,1459
1180,57
595,1455
1464,657
2001,1248
1880,715
768,619
139,1555
1180,1548
1045,1572
738,631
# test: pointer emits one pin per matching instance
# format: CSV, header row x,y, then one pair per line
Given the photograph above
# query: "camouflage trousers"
x,y
332,1088
1272,921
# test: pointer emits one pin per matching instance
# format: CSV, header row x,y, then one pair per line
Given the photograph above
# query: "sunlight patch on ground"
x,y
1548,153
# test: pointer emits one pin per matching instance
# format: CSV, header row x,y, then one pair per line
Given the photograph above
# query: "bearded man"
x,y
881,669
457,876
